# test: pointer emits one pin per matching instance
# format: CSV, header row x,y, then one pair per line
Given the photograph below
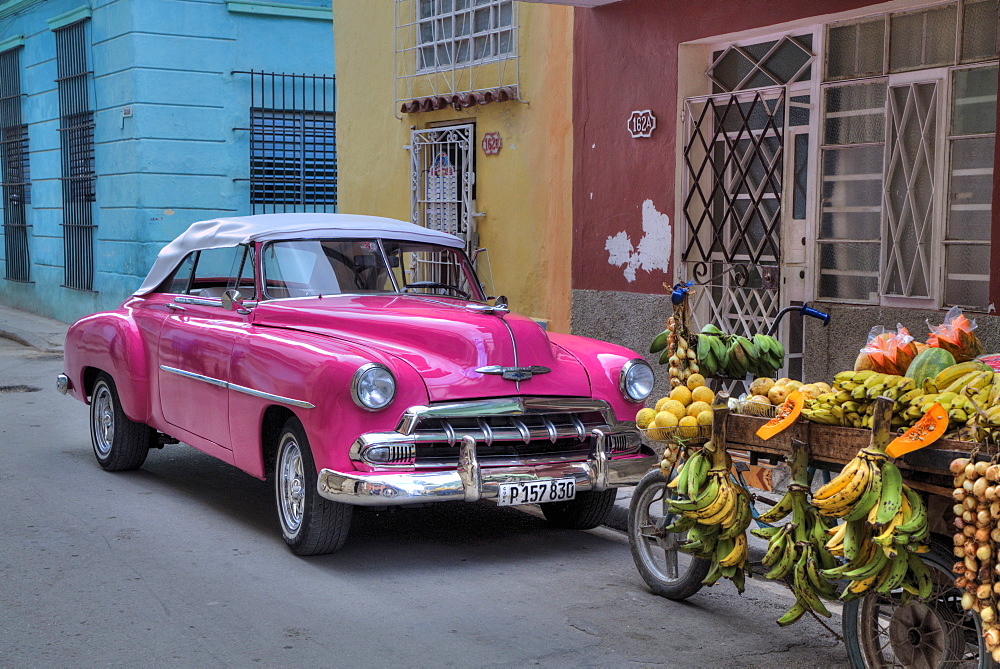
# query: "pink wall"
x,y
626,59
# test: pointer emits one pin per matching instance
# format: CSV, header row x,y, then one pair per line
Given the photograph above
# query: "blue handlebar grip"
x,y
815,313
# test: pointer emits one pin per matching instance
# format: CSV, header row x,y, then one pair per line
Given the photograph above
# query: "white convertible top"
x,y
222,232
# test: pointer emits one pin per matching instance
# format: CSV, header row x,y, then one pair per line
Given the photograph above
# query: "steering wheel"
x,y
435,284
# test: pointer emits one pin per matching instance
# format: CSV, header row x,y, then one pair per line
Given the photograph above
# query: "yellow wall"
x,y
525,191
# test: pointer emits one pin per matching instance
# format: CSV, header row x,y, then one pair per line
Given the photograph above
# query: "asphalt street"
x,y
181,564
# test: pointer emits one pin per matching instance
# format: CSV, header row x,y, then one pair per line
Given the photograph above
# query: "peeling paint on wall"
x,y
653,249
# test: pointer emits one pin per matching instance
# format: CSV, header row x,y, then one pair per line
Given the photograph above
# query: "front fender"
x,y
317,370
604,362
110,341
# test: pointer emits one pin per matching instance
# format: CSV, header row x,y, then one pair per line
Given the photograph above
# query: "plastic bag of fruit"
x,y
890,351
956,336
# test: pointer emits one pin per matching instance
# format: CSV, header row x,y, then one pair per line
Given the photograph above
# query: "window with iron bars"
x,y
293,147
909,101
15,179
459,32
76,149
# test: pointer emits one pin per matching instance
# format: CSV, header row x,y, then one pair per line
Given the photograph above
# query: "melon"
x,y
928,364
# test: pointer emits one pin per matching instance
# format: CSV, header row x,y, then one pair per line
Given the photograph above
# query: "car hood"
x,y
445,342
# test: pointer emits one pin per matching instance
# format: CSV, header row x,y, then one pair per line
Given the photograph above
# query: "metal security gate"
x,y
14,177
732,207
76,148
442,180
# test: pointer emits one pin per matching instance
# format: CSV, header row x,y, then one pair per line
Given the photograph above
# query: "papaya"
x,y
924,432
787,414
928,364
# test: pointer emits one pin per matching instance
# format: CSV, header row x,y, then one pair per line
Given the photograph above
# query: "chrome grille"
x,y
508,439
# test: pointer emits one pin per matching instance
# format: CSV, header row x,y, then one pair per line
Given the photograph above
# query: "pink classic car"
x,y
356,360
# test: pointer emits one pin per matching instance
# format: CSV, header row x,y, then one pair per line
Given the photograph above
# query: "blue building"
x,y
123,121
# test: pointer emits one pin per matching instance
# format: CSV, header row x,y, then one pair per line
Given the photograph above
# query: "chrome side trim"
x,y
238,388
207,301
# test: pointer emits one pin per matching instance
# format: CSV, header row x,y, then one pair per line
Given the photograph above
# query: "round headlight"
x,y
373,386
636,380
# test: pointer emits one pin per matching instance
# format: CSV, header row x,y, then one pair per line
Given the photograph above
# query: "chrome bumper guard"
x,y
470,482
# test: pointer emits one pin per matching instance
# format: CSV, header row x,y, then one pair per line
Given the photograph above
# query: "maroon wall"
x,y
625,59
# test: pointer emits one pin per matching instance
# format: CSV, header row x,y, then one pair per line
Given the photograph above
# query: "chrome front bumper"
x,y
470,482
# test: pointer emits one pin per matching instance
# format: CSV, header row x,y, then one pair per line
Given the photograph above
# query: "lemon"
x,y
682,394
702,394
688,427
696,380
696,408
761,385
660,402
704,418
644,417
675,407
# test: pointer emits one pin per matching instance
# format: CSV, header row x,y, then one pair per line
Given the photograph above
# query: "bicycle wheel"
x,y
880,631
667,571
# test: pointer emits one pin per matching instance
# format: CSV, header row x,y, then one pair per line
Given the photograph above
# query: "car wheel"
x,y
120,444
585,512
310,524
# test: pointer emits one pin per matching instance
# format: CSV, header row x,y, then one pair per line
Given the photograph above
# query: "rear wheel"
x,y
667,571
881,631
120,444
310,524
585,512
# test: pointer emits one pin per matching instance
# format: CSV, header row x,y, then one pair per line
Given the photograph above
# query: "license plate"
x,y
536,492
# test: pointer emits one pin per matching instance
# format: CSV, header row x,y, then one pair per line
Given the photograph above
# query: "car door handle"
x,y
176,307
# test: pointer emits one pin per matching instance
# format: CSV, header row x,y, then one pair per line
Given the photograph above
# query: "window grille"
x,y
293,144
456,48
76,147
15,186
770,63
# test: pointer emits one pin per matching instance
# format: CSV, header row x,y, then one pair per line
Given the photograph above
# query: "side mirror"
x,y
233,301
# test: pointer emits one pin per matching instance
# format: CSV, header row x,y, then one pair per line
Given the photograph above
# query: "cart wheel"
x,y
880,632
667,571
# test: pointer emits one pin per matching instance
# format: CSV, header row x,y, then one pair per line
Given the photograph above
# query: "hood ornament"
x,y
514,373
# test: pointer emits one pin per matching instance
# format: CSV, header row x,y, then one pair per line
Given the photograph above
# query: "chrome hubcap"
x,y
291,486
103,412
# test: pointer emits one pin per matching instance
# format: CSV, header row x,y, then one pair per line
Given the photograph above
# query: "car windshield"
x,y
303,268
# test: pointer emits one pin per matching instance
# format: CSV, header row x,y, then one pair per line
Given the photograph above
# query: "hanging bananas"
x,y
885,522
736,355
797,549
715,512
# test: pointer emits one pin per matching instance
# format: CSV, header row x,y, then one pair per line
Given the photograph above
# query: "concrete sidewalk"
x,y
44,334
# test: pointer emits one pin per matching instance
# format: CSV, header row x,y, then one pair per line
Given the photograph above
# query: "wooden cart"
x,y
877,630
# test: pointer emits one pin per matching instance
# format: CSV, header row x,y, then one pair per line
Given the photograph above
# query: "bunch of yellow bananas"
x,y
798,547
715,512
885,525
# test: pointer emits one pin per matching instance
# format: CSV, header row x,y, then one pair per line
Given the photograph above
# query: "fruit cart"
x,y
879,630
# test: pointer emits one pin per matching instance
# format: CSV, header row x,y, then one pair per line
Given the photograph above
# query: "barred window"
x,y
459,32
294,158
293,142
76,148
15,180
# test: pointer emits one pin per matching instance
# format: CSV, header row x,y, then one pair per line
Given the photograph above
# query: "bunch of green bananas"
x,y
885,526
736,356
715,512
798,548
